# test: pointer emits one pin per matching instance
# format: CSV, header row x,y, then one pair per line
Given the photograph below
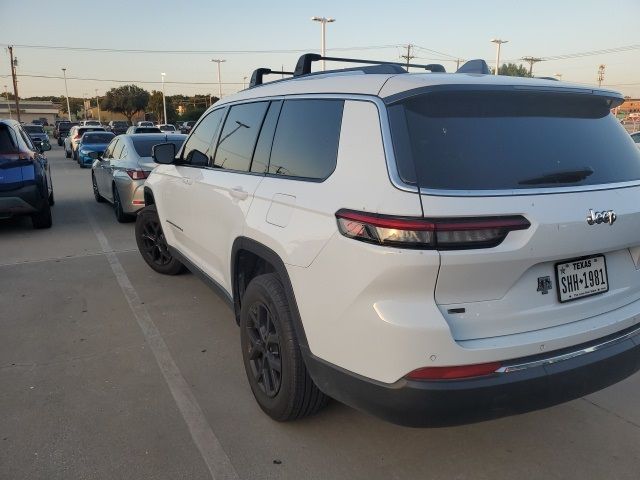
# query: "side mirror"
x,y
164,153
94,155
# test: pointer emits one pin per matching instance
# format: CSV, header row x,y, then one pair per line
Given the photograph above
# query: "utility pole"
x,y
14,63
408,56
66,91
219,61
531,61
164,101
6,97
498,43
601,74
98,105
84,105
244,82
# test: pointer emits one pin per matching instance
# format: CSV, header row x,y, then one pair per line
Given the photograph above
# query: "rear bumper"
x,y
22,201
534,383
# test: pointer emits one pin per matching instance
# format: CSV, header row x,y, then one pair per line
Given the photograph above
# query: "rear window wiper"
x,y
567,176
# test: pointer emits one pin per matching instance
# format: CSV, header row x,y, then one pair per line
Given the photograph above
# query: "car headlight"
x,y
84,152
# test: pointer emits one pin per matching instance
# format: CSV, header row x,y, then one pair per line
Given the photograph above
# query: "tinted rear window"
x,y
505,140
84,130
97,138
143,145
148,130
33,129
120,124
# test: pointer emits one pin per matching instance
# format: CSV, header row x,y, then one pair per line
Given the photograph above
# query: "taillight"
x,y
453,373
434,233
137,174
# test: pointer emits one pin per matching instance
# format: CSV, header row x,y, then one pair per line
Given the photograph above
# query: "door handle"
x,y
239,193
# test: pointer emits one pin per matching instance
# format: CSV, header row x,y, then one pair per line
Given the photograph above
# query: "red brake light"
x,y
435,233
453,373
137,174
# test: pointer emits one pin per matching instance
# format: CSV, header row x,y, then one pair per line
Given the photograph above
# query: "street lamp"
x,y
6,97
84,105
244,82
66,91
98,105
324,22
164,101
498,42
219,61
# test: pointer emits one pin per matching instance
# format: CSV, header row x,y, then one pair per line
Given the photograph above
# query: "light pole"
x,y
498,43
164,101
98,105
66,91
219,61
244,82
84,105
6,97
323,45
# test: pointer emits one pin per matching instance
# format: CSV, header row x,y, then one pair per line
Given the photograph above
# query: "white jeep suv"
x,y
431,248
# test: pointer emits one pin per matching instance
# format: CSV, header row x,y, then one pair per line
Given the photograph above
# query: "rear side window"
x,y
197,149
306,140
510,140
7,141
238,136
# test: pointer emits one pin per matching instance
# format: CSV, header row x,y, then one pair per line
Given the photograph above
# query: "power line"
x,y
123,81
193,52
589,53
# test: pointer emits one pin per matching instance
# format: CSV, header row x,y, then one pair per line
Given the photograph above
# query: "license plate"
x,y
581,277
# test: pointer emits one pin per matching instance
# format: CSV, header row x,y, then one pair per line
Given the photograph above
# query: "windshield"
x,y
167,128
143,146
83,130
33,129
89,138
120,124
496,140
147,130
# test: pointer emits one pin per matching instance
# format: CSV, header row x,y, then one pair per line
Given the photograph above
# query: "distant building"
x,y
30,110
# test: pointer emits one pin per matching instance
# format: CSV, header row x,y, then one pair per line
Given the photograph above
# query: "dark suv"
x,y
118,127
62,130
25,176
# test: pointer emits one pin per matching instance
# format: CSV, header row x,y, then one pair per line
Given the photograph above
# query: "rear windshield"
x,y
510,140
67,125
89,138
33,129
120,124
143,145
148,130
167,128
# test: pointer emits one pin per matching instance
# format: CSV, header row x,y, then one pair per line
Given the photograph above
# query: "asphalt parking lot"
x,y
116,373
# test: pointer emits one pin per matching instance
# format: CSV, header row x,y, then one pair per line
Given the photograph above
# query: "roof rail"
x,y
258,73
303,67
475,66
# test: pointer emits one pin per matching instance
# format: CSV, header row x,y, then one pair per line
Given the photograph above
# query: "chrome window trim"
x,y
569,355
527,191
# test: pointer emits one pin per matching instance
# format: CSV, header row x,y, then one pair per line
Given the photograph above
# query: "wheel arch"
x,y
148,196
250,258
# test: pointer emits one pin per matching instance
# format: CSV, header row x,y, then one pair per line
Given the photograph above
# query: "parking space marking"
x,y
208,444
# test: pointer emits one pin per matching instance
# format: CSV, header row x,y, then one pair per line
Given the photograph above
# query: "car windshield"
x,y
33,129
148,130
493,140
120,124
143,146
84,130
90,138
167,128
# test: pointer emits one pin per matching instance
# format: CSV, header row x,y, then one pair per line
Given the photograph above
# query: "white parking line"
x,y
210,448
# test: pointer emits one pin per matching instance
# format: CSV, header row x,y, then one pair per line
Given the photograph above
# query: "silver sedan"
x,y
118,175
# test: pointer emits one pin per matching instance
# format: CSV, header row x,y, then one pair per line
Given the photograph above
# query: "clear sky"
x,y
457,28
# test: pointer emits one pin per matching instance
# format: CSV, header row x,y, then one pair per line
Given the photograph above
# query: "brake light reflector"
x,y
435,233
137,174
453,373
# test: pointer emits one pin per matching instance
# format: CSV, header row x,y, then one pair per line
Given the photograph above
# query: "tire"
x,y
269,342
117,208
42,219
152,244
67,154
96,192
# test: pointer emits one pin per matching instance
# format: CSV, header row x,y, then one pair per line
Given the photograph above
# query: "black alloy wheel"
x,y
152,243
96,192
264,349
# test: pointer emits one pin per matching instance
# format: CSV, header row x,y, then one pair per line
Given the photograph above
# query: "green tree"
x,y
76,105
513,70
157,107
128,100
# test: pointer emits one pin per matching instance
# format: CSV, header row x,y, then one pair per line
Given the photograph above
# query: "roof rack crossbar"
x,y
259,73
303,67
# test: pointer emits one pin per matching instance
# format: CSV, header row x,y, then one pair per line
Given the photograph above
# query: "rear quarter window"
x,y
306,140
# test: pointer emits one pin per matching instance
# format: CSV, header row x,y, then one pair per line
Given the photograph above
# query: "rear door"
x,y
12,161
559,161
